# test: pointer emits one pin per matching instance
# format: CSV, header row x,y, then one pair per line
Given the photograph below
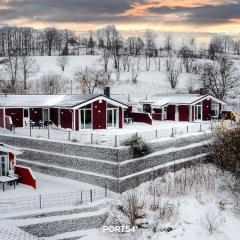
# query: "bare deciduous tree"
x,y
91,79
51,84
172,71
219,76
62,62
28,67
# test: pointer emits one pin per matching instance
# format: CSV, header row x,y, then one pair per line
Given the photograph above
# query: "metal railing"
x,y
51,200
113,140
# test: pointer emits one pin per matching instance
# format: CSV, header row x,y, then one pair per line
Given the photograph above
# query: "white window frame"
x,y
43,114
79,117
117,117
7,166
197,106
213,105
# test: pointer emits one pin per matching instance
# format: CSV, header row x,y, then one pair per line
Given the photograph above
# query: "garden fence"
x,y
113,140
51,200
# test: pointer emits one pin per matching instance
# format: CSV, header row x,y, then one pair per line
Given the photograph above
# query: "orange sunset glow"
x,y
127,15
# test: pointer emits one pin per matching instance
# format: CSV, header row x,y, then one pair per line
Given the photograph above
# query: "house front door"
x,y
198,113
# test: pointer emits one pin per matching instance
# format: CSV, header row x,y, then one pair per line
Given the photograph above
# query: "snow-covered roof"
x,y
5,148
184,99
47,100
124,98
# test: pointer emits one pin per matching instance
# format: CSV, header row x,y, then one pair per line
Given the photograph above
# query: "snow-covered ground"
x,y
194,203
46,184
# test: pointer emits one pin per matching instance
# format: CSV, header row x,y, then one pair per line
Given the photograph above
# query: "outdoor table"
x,y
6,179
128,120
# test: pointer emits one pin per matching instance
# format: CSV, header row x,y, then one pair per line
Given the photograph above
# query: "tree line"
x,y
117,54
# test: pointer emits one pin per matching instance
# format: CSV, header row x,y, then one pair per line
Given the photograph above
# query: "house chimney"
x,y
106,92
203,91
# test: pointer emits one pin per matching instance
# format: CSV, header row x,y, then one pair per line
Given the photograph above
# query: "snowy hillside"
x,y
149,82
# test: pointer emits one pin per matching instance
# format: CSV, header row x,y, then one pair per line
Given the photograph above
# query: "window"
x,y
215,109
198,113
25,113
4,166
112,118
46,114
86,118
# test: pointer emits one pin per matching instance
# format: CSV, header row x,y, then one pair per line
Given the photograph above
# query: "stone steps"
x,y
48,222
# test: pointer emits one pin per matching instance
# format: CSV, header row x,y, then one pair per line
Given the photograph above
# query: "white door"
x,y
112,118
198,113
85,119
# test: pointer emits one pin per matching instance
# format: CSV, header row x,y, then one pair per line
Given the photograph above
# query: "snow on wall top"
x,y
13,233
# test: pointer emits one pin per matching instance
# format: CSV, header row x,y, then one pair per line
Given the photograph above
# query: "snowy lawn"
x,y
193,203
106,137
46,184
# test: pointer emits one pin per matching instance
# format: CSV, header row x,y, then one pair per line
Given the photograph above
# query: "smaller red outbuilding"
x,y
183,107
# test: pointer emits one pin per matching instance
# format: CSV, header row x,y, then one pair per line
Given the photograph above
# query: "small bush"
x,y
74,140
225,150
132,206
138,146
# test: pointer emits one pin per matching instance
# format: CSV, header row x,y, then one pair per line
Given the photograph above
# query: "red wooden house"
x,y
183,107
76,112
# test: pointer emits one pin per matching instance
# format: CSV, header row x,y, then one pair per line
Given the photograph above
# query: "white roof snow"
x,y
47,100
173,99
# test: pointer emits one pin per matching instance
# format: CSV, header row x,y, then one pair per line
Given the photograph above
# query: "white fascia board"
x,y
108,100
212,98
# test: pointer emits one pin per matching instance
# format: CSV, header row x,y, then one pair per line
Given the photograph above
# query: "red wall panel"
x,y
11,161
1,118
157,116
66,118
206,109
193,113
26,176
183,113
171,112
142,117
128,111
99,114
36,114
17,116
54,115
120,117
76,120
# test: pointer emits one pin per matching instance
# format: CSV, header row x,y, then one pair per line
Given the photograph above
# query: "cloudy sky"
x,y
163,15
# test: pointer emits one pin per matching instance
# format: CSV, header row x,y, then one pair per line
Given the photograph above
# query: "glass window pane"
x,y
109,118
88,119
82,119
25,113
115,117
